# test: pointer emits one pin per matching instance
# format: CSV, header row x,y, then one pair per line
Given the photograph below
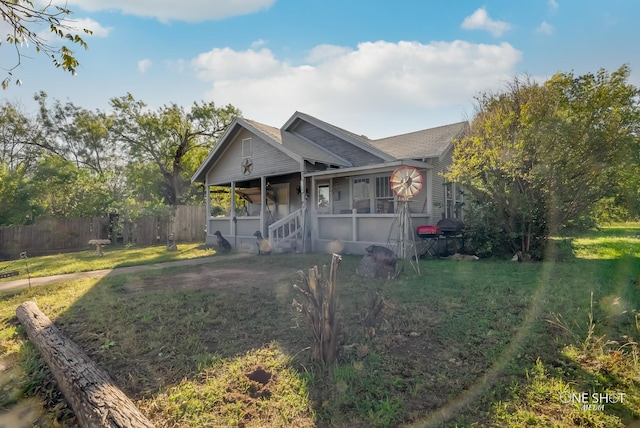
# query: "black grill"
x,y
450,226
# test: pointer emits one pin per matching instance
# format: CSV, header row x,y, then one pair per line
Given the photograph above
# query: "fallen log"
x,y
9,274
91,393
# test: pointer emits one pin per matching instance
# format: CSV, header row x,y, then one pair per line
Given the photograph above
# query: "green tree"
x,y
17,133
23,22
542,155
144,181
173,139
60,189
77,134
15,198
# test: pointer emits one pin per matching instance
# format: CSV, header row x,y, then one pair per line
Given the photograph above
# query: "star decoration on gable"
x,y
247,166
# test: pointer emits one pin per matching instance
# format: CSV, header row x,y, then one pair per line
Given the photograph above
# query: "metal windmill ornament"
x,y
406,182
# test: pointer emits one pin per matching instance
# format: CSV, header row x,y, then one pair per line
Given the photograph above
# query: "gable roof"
x,y
428,143
305,149
294,147
359,141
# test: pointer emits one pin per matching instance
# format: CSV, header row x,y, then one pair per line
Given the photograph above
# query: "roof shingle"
x,y
302,148
427,143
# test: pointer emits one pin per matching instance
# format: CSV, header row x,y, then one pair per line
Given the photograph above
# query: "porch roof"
x,y
368,169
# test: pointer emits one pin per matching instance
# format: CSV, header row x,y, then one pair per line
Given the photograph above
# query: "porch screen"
x,y
361,195
384,195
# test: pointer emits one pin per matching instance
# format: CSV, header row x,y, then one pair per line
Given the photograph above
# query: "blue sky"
x,y
373,67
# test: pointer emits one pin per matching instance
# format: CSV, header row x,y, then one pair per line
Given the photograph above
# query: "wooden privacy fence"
x,y
48,235
190,223
68,234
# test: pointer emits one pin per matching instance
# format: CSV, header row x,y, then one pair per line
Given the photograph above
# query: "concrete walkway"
x,y
45,280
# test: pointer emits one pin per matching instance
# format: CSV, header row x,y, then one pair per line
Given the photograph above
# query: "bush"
x,y
485,239
608,210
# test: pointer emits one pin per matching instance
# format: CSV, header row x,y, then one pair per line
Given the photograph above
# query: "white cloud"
x,y
553,4
73,27
370,84
323,53
227,64
143,65
169,10
258,43
545,28
480,20
79,25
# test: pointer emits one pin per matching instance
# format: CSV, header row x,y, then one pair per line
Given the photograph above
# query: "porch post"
x,y
263,204
312,206
207,212
232,212
429,178
305,208
354,225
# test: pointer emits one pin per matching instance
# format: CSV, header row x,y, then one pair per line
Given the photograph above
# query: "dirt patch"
x,y
24,414
259,381
205,277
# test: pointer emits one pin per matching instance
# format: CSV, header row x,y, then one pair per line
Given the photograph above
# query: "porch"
x,y
353,232
330,211
286,234
272,205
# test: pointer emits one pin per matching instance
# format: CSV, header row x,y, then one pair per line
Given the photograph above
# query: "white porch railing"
x,y
287,229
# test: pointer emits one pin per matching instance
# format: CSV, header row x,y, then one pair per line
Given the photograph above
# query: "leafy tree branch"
x,y
25,22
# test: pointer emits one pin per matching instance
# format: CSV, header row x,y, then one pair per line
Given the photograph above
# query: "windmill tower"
x,y
406,182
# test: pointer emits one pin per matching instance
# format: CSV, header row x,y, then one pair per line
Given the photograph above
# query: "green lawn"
x,y
486,343
83,261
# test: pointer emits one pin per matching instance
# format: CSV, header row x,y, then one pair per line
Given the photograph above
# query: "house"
x,y
309,183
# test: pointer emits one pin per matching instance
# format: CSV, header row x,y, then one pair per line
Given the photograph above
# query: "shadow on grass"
x,y
452,344
151,330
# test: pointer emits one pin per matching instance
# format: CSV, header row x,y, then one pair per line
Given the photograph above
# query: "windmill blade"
x,y
406,182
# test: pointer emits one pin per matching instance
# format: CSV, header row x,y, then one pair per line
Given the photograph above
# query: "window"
x,y
361,195
323,198
454,201
246,148
384,195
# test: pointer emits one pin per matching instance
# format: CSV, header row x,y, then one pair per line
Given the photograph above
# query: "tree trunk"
x,y
95,399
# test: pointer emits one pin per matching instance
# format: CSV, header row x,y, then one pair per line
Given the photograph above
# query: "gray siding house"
x,y
309,185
